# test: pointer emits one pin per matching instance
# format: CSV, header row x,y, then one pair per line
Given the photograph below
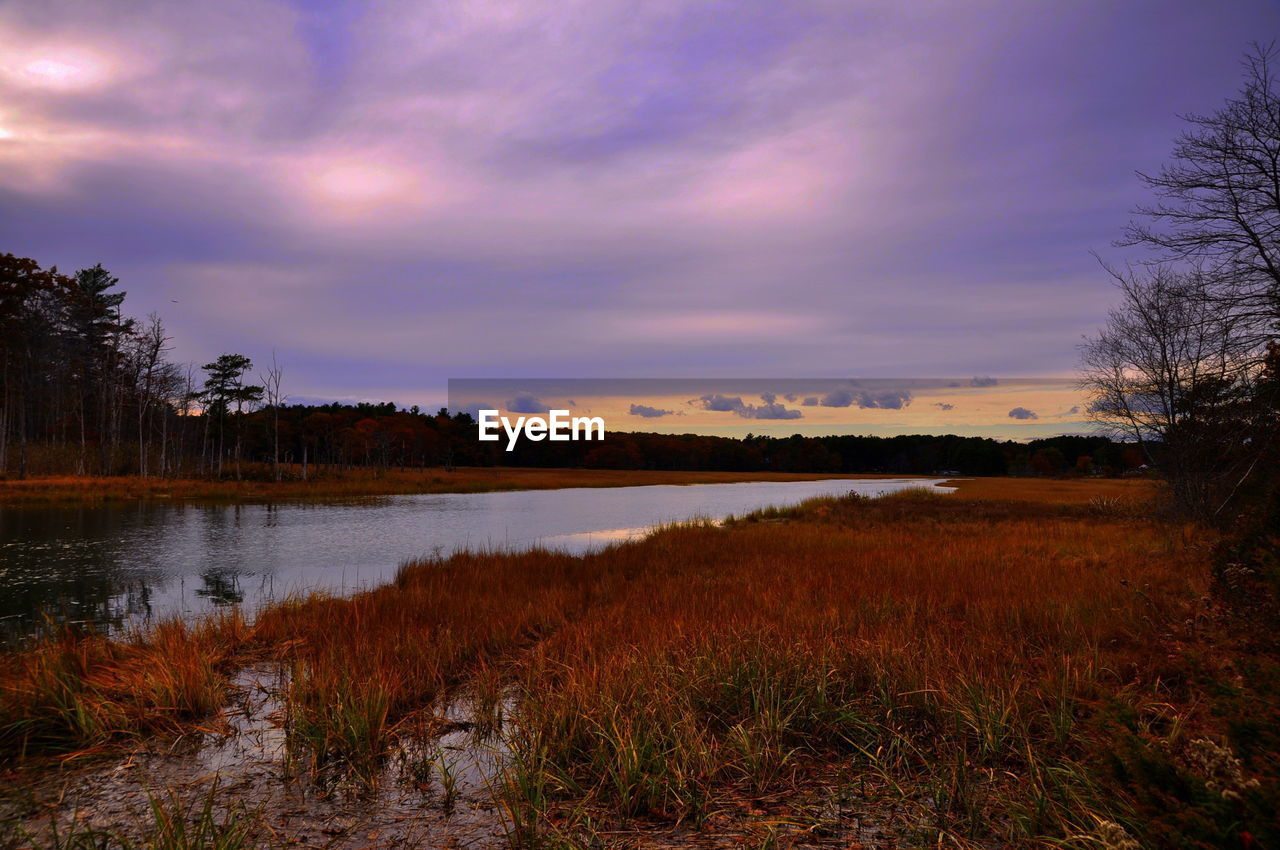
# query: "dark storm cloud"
x,y
1022,413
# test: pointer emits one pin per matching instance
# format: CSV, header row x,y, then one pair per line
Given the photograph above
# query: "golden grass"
x,y
968,655
892,641
1056,491
330,484
75,692
957,647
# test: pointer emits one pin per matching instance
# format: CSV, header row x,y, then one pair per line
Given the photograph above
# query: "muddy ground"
x,y
442,791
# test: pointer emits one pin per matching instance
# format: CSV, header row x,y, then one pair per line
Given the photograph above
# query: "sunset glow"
x,y
359,183
66,70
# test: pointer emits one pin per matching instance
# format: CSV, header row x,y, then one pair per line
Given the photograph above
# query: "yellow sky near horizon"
x,y
1009,409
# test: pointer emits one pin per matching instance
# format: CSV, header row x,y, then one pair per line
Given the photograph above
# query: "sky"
x,y
388,195
979,406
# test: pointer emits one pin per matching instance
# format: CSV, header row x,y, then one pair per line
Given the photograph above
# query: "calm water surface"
x,y
124,563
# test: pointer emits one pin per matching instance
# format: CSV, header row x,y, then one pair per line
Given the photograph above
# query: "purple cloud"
x,y
525,403
734,404
599,187
649,412
721,403
886,400
1022,413
883,399
837,398
769,411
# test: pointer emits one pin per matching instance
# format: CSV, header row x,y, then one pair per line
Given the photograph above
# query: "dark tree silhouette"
x,y
1219,198
224,386
1171,371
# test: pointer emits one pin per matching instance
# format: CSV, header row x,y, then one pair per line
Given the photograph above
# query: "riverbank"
x,y
1101,492
359,483
1042,666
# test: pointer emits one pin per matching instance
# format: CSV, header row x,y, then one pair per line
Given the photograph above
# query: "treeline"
x,y
86,390
311,438
908,454
79,378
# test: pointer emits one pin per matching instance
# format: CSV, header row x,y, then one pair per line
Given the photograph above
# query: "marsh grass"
x,y
1135,492
1013,670
893,636
76,691
337,725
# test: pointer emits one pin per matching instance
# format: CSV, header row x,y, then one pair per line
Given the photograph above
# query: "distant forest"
x,y
86,390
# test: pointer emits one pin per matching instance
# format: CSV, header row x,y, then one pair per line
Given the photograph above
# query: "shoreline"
x,y
334,547
327,486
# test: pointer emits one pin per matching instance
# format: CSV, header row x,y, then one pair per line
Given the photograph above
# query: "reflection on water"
x,y
122,563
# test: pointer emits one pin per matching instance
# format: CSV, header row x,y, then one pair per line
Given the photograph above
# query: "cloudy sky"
x,y
391,194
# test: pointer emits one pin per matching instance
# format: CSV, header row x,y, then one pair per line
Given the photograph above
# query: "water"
x,y
121,563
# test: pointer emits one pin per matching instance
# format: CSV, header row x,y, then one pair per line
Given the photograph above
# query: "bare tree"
x,y
189,393
169,399
1174,371
1219,199
151,343
271,383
